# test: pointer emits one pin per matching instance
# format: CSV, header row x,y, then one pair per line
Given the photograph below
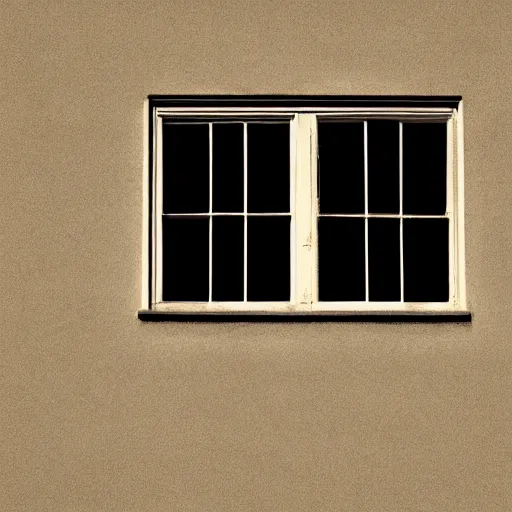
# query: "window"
x,y
304,205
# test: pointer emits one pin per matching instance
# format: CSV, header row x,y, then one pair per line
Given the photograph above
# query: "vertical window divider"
x,y
305,238
210,216
293,212
366,262
245,212
451,211
159,209
315,208
401,180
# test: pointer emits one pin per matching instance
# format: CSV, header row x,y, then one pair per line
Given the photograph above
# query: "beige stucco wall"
x,y
100,412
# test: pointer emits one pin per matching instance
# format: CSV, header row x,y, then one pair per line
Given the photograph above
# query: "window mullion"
x,y
159,210
210,220
314,207
245,212
366,258
303,212
450,211
401,178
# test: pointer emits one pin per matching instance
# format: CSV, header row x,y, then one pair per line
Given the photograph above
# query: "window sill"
x,y
331,316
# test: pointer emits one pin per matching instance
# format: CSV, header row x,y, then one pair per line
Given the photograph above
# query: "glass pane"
x,y
268,167
383,167
341,253
185,259
384,259
424,168
228,167
228,259
341,167
426,274
186,168
268,258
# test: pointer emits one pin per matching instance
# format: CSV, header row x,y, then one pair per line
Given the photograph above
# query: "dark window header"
x,y
303,101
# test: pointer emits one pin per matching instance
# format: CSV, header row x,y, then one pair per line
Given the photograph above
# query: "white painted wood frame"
x,y
304,210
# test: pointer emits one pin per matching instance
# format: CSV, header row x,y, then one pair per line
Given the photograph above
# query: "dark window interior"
x,y
228,258
341,192
268,258
426,272
424,168
185,259
341,253
187,148
268,167
186,190
228,167
341,167
384,259
186,168
383,167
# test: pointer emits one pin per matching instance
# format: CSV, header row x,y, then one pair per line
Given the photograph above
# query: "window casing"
x,y
305,214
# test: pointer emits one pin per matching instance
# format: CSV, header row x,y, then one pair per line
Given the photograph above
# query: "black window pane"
x,y
228,167
228,258
268,167
341,253
341,167
185,257
424,168
268,258
426,274
384,259
383,167
186,168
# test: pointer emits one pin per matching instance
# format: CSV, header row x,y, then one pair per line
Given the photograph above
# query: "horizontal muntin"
x,y
382,216
227,214
223,117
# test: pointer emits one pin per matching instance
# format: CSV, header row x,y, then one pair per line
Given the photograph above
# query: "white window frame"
x,y
303,210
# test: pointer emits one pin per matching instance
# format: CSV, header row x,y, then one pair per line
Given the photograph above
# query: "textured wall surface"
x,y
100,412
